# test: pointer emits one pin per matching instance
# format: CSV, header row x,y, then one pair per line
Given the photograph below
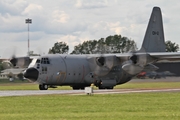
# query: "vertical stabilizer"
x,y
154,37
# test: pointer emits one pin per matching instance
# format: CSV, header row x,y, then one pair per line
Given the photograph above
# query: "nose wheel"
x,y
43,87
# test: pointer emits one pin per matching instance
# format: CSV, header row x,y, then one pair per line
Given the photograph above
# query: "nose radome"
x,y
31,73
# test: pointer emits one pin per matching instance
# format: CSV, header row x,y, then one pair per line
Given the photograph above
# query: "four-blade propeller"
x,y
137,62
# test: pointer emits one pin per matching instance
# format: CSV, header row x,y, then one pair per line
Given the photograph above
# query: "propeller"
x,y
100,61
101,65
21,62
13,60
137,62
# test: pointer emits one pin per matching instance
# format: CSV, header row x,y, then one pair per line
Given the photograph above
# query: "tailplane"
x,y
154,37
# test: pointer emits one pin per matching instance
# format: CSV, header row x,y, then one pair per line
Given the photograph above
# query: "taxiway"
x,y
79,92
4,93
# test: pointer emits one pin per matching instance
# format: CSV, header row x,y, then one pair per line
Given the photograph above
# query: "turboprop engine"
x,y
137,62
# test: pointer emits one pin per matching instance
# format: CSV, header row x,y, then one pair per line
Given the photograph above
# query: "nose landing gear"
x,y
43,87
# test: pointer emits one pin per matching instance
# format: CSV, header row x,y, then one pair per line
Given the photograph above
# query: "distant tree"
x,y
101,46
119,44
77,49
111,44
87,47
59,47
171,47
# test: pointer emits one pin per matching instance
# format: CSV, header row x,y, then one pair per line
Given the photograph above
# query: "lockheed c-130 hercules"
x,y
104,71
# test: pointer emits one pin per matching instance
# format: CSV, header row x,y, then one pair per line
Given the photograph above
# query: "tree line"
x,y
110,44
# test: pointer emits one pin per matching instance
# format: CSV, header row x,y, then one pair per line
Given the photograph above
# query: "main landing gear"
x,y
43,87
100,87
77,88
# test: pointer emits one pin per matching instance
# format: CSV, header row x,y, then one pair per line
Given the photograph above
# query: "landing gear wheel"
x,y
109,87
75,88
43,87
101,88
82,88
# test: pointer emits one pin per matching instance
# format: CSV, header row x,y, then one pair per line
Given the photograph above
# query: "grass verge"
x,y
133,106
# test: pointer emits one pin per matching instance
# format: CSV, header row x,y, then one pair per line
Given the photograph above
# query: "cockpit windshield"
x,y
38,61
45,61
33,62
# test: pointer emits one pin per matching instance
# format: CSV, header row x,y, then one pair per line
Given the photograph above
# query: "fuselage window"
x,y
42,60
47,60
38,66
44,70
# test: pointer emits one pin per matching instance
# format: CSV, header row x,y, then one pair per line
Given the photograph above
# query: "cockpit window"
x,y
45,61
42,60
38,61
33,62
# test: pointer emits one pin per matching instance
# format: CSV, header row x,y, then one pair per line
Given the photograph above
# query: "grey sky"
x,y
75,21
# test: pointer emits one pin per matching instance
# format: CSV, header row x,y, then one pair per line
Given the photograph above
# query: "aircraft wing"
x,y
160,56
134,63
169,56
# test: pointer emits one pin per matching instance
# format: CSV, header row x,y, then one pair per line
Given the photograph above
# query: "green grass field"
x,y
136,106
130,106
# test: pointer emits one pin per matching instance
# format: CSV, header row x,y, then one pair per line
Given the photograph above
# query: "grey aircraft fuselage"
x,y
76,71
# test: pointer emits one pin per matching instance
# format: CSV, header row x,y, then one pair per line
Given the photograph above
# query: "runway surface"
x,y
82,92
79,92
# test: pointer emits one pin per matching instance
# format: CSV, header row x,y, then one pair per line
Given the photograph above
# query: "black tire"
x,y
75,88
109,87
101,88
82,88
40,87
106,87
43,87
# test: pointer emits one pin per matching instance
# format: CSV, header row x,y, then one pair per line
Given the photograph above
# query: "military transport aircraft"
x,y
104,71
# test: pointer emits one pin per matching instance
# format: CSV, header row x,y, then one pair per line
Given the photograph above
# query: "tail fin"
x,y
154,37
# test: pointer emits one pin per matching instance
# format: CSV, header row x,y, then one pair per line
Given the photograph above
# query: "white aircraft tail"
x,y
154,37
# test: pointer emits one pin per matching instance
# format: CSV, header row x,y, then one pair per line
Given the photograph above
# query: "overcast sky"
x,y
75,21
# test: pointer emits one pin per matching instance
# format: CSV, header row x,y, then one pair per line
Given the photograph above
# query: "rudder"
x,y
154,37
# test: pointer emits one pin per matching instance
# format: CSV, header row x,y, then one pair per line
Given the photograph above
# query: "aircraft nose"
x,y
31,73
